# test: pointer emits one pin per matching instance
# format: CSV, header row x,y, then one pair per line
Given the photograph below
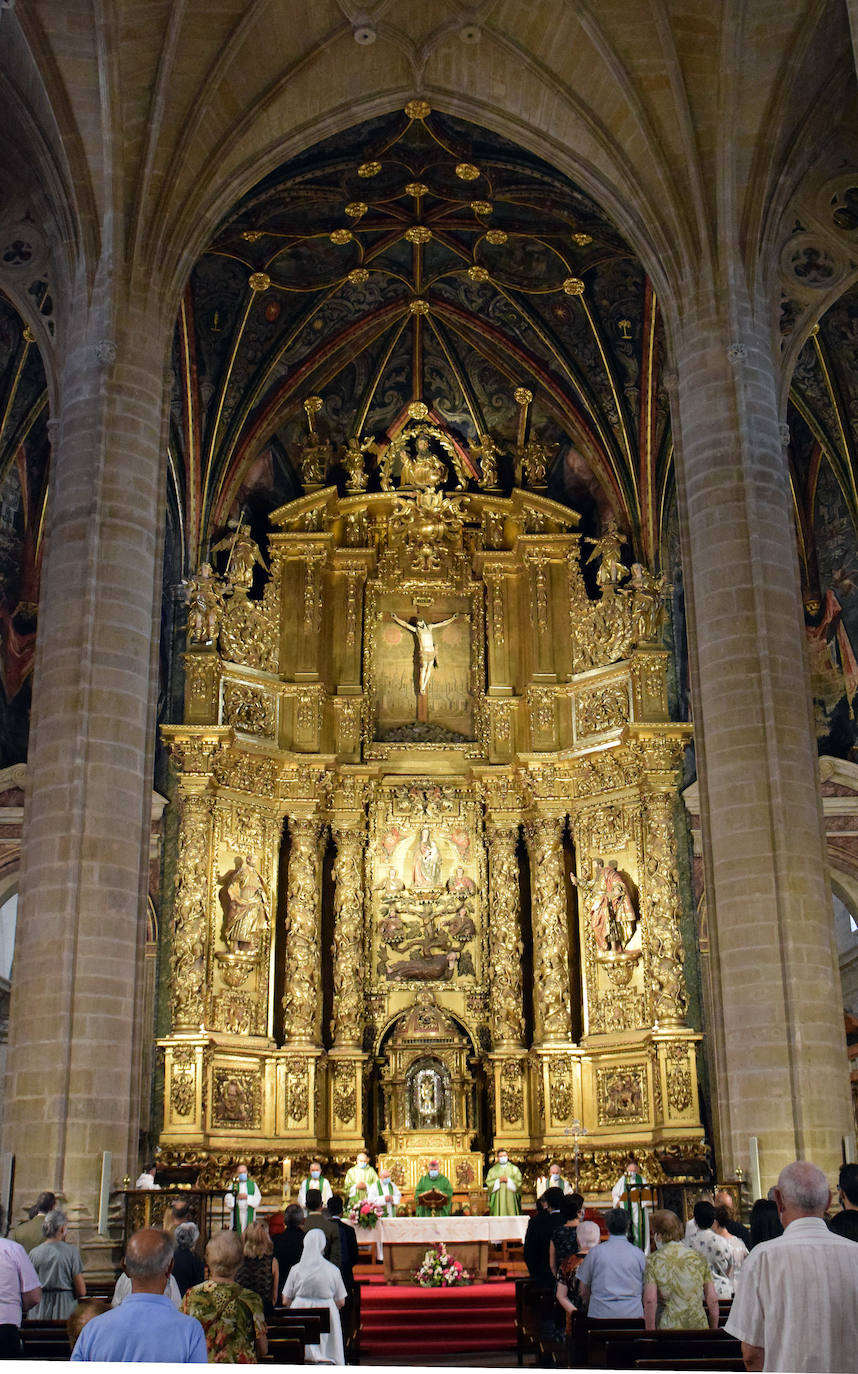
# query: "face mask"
x,y
433,1173
242,1178
315,1173
658,1242
554,1176
502,1159
361,1163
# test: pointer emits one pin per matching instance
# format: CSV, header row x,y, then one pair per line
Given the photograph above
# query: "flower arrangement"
x,y
365,1214
440,1270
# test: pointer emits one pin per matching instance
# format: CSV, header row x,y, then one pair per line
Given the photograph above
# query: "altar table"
x,y
403,1241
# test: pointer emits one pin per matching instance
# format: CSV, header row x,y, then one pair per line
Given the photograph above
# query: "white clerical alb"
x,y
386,1191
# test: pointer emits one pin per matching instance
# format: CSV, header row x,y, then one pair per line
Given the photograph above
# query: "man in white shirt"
x,y
386,1192
796,1307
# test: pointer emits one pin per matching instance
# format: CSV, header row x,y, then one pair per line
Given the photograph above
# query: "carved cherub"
x,y
608,548
204,594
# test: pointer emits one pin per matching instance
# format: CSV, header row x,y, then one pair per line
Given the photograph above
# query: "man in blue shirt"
x,y
146,1327
611,1277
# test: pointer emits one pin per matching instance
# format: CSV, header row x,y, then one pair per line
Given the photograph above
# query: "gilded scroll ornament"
x,y
297,1090
190,913
347,1021
302,998
344,1097
249,709
505,937
512,1102
182,1086
237,1098
550,932
617,1010
679,1087
663,912
248,630
560,1090
602,709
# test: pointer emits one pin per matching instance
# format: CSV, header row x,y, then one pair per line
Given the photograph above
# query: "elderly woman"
x,y
188,1268
315,1282
259,1270
568,1294
738,1248
713,1248
231,1316
60,1270
677,1281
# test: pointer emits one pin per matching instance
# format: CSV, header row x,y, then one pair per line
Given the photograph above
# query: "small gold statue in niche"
x,y
245,901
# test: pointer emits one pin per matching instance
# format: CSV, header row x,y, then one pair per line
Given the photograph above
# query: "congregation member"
x,y
19,1292
349,1257
232,1317
146,1181
553,1179
503,1183
611,1276
796,1307
568,1292
679,1294
315,1179
359,1179
765,1222
738,1248
83,1313
287,1233
29,1233
845,1222
122,1288
541,1227
242,1199
188,1268
315,1282
724,1198
178,1211
317,1221
433,1181
714,1248
564,1240
60,1270
259,1270
386,1192
146,1327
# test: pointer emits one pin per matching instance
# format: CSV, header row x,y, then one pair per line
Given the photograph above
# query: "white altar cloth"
x,y
420,1230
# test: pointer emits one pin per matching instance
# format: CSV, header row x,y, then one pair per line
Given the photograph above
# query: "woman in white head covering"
x,y
315,1282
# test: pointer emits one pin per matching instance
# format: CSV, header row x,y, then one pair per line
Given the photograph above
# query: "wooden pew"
x,y
711,1362
534,1314
45,1340
625,1351
284,1350
299,1313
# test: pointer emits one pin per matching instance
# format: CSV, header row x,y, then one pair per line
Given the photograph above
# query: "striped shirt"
x,y
798,1299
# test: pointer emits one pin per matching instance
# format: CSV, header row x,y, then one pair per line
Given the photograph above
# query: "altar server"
x,y
242,1200
315,1179
503,1182
386,1192
434,1180
359,1179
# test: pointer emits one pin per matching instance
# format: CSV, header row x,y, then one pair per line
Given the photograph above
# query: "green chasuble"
x,y
356,1175
441,1184
503,1200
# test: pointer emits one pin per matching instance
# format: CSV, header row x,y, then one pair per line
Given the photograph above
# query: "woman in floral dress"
x,y
231,1316
677,1281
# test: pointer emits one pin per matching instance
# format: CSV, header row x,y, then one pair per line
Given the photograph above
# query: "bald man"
x,y
796,1305
146,1327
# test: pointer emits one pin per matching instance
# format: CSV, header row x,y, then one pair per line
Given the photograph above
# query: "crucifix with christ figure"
x,y
427,654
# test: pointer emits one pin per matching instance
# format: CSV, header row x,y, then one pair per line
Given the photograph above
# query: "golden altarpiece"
x,y
428,740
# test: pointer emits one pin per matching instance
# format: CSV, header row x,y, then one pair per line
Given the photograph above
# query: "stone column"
x,y
776,1035
302,1000
505,944
551,1010
348,950
72,1081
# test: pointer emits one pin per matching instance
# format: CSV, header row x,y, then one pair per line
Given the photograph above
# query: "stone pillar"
x,y
72,1081
776,1036
505,946
551,1010
302,1000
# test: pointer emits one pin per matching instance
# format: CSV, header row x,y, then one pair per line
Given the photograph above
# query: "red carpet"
x,y
417,1323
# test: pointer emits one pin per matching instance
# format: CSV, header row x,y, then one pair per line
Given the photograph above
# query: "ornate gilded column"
x,y
505,944
661,909
348,950
551,1011
190,916
302,999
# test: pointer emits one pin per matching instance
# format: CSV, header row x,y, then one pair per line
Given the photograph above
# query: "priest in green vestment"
x,y
434,1179
503,1182
359,1180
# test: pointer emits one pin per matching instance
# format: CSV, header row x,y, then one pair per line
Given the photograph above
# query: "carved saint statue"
x,y
427,862
427,653
647,594
243,556
609,907
246,908
608,548
203,591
